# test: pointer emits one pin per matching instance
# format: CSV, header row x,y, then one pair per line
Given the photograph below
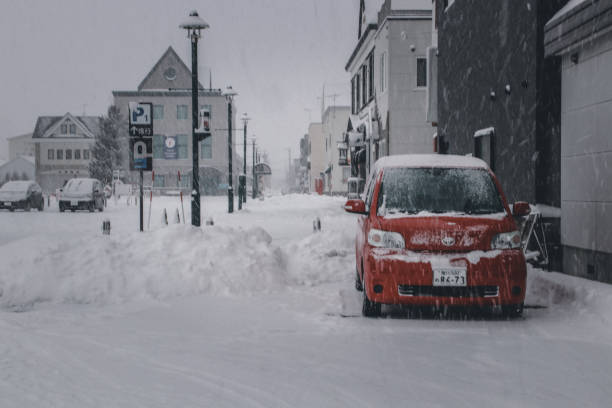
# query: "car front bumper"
x,y
493,278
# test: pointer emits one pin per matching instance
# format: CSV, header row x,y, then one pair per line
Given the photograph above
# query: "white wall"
x,y
586,148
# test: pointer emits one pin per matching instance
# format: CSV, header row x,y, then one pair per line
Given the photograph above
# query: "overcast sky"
x,y
68,55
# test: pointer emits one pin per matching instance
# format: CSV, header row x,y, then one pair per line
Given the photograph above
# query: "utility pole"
x,y
229,95
245,120
254,184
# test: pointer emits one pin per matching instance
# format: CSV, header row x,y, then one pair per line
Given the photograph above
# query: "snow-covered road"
x,y
248,313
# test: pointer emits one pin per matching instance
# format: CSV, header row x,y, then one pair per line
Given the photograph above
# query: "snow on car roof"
x,y
430,160
17,185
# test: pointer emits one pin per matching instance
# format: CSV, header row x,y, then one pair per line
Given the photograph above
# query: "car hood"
x,y
449,233
12,195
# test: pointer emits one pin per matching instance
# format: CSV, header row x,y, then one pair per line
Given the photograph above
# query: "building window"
x,y
50,154
371,75
85,154
181,112
206,148
353,103
383,72
182,147
64,129
68,154
364,85
158,147
59,154
358,93
158,111
346,173
484,145
421,72
73,129
77,154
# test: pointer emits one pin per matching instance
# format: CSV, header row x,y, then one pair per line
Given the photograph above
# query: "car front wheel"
x,y
369,308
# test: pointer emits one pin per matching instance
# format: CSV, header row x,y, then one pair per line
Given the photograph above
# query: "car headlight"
x,y
506,240
385,239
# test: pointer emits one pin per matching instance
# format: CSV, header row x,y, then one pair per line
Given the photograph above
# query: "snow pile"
x,y
563,294
170,262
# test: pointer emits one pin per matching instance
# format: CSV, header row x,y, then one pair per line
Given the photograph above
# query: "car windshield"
x,y
438,190
16,186
79,186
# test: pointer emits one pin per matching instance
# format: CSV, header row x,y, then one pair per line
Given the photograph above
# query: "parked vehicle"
x,y
436,231
23,195
82,194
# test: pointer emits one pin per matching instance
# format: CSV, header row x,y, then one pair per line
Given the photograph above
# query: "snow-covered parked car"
x,y
23,195
436,230
82,194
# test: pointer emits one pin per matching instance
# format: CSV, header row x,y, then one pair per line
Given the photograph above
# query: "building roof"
x,y
23,136
170,54
44,123
576,24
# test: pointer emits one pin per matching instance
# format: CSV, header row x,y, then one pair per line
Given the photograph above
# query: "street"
x,y
260,311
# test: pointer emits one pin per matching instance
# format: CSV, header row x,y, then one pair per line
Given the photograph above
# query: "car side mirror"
x,y
521,209
355,206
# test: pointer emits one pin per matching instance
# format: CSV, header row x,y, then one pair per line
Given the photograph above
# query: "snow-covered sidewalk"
x,y
248,313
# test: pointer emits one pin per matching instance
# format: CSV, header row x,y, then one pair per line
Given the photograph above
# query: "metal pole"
x,y
195,175
141,206
254,183
244,194
230,189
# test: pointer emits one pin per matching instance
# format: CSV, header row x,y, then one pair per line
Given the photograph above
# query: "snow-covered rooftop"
x,y
430,160
571,4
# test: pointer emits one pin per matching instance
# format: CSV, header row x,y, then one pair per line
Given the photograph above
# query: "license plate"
x,y
449,277
74,203
7,203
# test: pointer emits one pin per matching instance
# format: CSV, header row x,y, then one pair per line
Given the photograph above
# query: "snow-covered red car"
x,y
436,230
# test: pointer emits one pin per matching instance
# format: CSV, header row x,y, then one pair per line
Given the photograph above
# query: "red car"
x,y
436,230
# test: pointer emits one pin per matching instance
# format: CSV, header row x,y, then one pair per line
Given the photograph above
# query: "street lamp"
x,y
194,25
229,96
245,120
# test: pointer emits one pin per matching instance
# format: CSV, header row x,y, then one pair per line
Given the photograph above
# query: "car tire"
x,y
369,308
512,311
42,205
61,208
358,284
27,207
12,209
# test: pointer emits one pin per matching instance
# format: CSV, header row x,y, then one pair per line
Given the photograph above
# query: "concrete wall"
x,y
586,161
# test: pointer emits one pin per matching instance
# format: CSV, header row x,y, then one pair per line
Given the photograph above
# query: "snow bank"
x,y
556,291
174,261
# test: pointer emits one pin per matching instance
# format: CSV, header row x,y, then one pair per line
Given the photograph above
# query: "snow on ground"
x,y
248,313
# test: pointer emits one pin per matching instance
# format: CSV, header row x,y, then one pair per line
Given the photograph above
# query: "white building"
x,y
20,145
318,156
63,148
334,123
388,67
580,33
168,87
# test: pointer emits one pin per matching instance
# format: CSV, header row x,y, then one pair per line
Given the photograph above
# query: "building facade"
x,y
21,145
581,34
388,69
334,122
62,148
318,157
168,87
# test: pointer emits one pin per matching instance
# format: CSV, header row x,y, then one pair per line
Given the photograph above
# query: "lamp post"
x,y
229,96
245,120
194,25
254,184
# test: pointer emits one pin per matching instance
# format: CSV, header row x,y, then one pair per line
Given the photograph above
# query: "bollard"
x,y
209,221
165,218
177,217
106,227
316,225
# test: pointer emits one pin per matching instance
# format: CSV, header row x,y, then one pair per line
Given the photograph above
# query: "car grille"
x,y
448,291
